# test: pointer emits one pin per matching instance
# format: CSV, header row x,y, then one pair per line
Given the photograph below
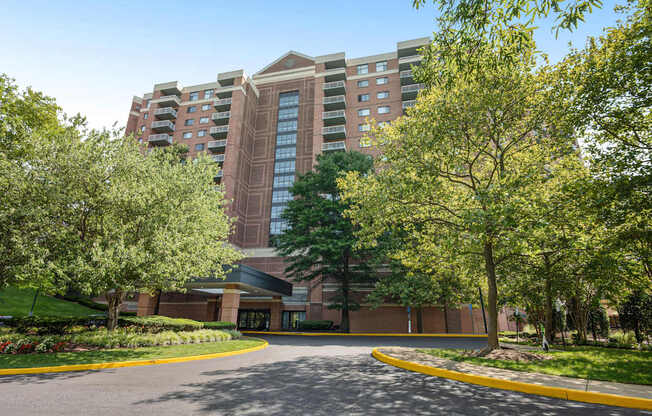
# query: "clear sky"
x,y
93,56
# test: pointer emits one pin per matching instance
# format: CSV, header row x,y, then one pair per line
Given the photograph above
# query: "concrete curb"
x,y
339,334
556,392
117,364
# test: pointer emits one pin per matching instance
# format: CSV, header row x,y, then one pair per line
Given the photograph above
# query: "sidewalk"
x,y
410,354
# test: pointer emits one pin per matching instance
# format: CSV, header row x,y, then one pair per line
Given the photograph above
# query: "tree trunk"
x,y
446,318
549,324
492,298
420,320
114,299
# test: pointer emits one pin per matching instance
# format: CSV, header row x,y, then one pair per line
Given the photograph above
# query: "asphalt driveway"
x,y
293,376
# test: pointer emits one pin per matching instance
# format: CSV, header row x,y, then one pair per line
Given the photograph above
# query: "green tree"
x,y
455,171
320,243
635,314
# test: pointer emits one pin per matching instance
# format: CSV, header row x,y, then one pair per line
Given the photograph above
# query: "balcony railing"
x,y
334,117
407,61
167,101
220,132
410,92
222,104
333,146
159,139
408,104
334,88
335,74
163,126
221,118
406,77
216,145
337,102
218,158
334,132
165,113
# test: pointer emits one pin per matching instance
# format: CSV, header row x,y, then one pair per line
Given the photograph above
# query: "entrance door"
x,y
254,319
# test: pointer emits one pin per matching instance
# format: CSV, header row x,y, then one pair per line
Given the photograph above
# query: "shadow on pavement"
x,y
357,384
44,378
373,341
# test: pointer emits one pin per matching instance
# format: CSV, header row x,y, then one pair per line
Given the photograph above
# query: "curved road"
x,y
293,376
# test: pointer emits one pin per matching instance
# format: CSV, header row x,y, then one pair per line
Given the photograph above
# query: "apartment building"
x,y
263,130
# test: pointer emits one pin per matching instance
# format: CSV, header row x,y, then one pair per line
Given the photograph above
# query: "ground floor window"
x,y
291,319
254,319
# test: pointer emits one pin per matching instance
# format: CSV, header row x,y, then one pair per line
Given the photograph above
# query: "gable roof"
x,y
297,60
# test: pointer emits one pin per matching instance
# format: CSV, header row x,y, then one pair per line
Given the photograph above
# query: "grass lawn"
x,y
17,302
595,363
103,356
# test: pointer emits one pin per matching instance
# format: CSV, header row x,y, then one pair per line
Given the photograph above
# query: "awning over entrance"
x,y
247,279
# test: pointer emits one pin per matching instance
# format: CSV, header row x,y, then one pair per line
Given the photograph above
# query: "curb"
x,y
339,334
556,392
118,364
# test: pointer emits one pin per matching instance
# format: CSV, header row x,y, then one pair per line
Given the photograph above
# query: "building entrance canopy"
x,y
246,279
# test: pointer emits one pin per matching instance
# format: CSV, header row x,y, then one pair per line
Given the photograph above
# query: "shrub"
x,y
49,324
233,333
156,323
311,325
219,325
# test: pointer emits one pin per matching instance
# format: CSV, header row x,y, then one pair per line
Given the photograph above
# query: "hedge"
x,y
156,323
219,325
315,325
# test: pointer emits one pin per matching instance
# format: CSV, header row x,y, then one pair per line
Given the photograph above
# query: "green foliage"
x,y
219,325
17,302
315,325
155,323
51,324
635,314
320,243
598,322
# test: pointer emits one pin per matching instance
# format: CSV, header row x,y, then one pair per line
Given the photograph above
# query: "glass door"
x,y
254,319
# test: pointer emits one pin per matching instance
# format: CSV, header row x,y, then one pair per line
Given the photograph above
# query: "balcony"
x,y
406,62
217,145
334,88
217,178
334,132
333,146
160,139
218,158
334,117
164,126
408,104
406,77
167,101
169,88
219,132
335,74
337,102
223,104
165,113
410,92
221,118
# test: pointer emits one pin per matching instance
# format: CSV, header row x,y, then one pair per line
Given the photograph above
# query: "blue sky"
x,y
93,56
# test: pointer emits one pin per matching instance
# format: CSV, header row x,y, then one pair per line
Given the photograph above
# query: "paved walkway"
x,y
293,376
621,389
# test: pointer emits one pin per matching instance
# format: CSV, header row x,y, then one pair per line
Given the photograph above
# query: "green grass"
x,y
17,302
103,356
595,363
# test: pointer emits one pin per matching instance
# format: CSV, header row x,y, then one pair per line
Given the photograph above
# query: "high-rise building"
x,y
263,130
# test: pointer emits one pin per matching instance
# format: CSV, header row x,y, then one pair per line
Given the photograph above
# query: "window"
x,y
194,96
363,127
365,143
284,167
363,69
381,81
205,107
147,103
363,83
288,113
201,133
287,125
281,196
381,66
382,94
192,109
363,112
286,153
187,135
283,139
208,94
203,120
291,319
363,97
199,147
146,116
189,122
283,181
288,99
383,110
142,128
278,210
277,227
140,140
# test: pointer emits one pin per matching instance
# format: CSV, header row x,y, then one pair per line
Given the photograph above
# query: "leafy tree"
x,y
635,314
320,243
598,322
457,169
